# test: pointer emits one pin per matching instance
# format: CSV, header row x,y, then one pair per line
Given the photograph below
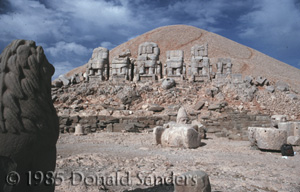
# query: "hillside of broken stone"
x,y
245,60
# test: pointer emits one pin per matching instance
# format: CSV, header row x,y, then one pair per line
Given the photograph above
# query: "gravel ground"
x,y
132,162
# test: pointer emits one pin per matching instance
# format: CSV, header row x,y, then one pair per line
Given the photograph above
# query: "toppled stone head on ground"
x,y
28,120
178,134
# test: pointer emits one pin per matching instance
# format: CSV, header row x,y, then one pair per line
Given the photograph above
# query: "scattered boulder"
x,y
193,181
157,133
292,96
260,81
282,86
168,83
270,88
288,126
57,83
211,92
220,96
251,136
297,128
199,105
64,80
293,140
270,138
131,128
248,79
275,119
155,108
214,106
200,128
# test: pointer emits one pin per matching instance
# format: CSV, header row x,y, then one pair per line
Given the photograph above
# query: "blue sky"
x,y
70,30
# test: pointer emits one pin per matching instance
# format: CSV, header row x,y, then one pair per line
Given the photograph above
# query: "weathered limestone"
x,y
260,81
200,128
182,116
251,136
282,86
199,68
267,138
121,67
224,67
297,128
174,66
270,138
97,67
293,140
28,124
288,126
148,65
275,119
65,81
178,134
168,83
193,181
182,136
78,130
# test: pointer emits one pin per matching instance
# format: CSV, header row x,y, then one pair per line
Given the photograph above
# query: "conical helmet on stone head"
x,y
182,116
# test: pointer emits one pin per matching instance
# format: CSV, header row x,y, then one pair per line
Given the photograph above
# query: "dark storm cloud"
x,y
70,30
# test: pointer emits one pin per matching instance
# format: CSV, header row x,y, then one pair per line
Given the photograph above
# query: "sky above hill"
x,y
70,30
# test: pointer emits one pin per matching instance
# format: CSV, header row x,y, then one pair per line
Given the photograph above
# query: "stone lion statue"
x,y
28,120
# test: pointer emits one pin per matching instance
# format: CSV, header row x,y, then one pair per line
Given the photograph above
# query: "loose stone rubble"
x,y
272,138
135,96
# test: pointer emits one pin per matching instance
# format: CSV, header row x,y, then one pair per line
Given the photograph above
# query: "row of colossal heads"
x,y
148,66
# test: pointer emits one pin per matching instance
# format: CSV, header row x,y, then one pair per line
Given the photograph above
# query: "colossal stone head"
x,y
182,116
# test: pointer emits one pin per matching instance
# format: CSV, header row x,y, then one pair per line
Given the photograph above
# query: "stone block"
x,y
248,79
275,119
282,86
292,96
237,78
293,140
251,135
270,88
297,128
156,108
262,118
270,138
260,80
192,181
168,83
199,105
109,128
74,118
288,126
214,107
157,132
64,80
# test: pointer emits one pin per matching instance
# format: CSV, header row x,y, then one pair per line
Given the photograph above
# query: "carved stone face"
x,y
183,121
182,117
